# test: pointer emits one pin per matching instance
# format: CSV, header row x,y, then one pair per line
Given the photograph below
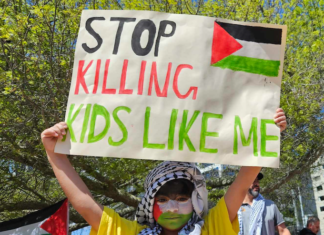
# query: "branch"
x,y
87,167
94,185
77,226
31,161
111,191
315,154
118,4
19,206
102,182
261,9
220,182
188,7
126,211
26,187
75,217
199,4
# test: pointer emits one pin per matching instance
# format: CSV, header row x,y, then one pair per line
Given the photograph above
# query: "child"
x,y
175,200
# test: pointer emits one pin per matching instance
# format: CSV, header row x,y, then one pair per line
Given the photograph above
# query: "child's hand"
x,y
280,119
50,135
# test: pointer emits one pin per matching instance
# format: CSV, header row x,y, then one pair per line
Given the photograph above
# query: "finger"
x,y
57,130
49,133
63,124
279,110
279,114
61,127
279,119
60,137
282,124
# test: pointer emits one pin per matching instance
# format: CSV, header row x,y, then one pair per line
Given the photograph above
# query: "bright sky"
x,y
82,231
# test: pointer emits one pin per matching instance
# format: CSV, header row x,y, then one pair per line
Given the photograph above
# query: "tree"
x,y
36,57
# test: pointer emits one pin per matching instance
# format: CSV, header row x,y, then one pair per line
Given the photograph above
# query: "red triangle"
x,y
57,224
223,44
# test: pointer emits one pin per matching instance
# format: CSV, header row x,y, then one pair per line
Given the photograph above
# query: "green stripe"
x,y
250,65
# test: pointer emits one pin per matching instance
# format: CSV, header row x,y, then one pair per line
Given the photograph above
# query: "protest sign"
x,y
152,85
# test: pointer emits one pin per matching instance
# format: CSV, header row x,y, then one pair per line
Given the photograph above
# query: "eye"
x,y
182,199
161,200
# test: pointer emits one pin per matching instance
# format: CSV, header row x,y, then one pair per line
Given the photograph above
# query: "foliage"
x,y
36,57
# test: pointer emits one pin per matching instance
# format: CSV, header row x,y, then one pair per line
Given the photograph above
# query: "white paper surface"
x,y
220,91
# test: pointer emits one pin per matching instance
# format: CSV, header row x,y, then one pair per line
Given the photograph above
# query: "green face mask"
x,y
173,221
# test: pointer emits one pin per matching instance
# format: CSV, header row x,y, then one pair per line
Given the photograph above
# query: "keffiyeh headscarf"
x,y
160,175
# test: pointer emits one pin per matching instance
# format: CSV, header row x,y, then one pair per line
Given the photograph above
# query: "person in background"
x,y
313,226
258,215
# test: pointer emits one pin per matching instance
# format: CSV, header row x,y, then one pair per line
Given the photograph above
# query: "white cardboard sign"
x,y
163,86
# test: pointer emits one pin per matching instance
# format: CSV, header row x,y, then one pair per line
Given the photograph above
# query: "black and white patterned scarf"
x,y
256,217
160,175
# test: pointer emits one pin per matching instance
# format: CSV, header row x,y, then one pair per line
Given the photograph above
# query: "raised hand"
x,y
50,136
280,119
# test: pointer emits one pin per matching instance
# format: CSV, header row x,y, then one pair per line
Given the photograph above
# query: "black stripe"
x,y
253,33
31,218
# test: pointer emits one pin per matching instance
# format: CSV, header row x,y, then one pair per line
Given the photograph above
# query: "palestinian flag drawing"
x,y
250,49
50,220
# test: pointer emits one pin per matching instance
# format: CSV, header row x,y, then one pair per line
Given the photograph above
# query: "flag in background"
x,y
52,220
245,48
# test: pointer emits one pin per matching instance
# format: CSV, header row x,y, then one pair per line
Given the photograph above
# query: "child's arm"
x,y
237,191
73,186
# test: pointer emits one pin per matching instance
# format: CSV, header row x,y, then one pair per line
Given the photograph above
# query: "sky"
x,y
82,231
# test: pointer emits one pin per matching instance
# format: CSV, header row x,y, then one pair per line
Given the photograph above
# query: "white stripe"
x,y
259,50
31,229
